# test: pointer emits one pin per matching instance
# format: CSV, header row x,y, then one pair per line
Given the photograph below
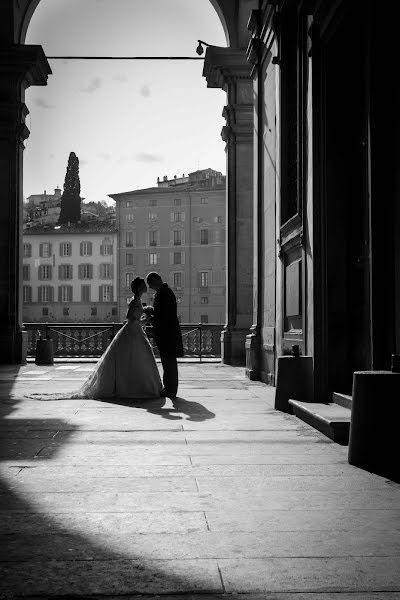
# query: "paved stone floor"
x,y
217,495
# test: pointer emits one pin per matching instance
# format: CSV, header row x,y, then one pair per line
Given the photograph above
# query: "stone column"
x,y
228,69
20,67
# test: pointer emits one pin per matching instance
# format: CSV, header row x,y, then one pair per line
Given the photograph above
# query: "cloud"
x,y
42,103
145,91
120,78
148,157
93,85
104,155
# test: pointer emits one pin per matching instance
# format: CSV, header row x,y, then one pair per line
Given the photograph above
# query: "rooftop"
x,y
81,227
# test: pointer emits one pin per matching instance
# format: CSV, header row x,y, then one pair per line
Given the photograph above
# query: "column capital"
x,y
222,66
24,64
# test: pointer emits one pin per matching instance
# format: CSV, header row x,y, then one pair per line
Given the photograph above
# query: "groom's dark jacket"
x,y
166,330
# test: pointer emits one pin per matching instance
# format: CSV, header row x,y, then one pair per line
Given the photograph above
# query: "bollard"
x,y
44,354
374,428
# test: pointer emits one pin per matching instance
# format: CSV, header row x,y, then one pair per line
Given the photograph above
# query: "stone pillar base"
x,y
253,349
233,347
294,381
374,427
13,347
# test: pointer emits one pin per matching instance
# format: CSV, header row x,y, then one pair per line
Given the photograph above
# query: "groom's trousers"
x,y
170,374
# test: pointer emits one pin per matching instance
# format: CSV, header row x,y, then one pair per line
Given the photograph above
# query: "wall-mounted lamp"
x,y
200,49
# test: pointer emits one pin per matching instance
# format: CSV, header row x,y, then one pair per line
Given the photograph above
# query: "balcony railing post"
x,y
201,341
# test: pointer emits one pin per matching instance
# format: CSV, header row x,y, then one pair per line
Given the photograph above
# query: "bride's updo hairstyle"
x,y
136,284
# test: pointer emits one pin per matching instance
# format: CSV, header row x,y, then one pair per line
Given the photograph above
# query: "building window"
x,y
106,249
153,258
45,311
128,280
45,272
129,259
65,311
177,258
153,202
218,219
93,311
177,217
86,271
153,216
114,311
85,293
152,238
45,250
128,203
177,201
129,218
203,236
177,280
65,249
86,249
106,271
204,279
177,237
204,200
45,293
204,300
64,272
204,318
26,294
106,293
129,239
27,250
26,272
65,293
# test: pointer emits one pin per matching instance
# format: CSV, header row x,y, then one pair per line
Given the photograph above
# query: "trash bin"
x,y
44,352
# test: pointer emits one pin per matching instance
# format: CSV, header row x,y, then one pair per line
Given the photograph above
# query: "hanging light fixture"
x,y
200,49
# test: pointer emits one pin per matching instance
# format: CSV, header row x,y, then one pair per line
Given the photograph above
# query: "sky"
x,y
128,122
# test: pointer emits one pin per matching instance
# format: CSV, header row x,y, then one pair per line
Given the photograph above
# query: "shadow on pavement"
x,y
194,410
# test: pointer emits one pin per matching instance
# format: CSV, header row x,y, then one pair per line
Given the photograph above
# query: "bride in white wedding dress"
x,y
127,368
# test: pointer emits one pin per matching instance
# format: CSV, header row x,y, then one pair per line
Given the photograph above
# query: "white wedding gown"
x,y
127,368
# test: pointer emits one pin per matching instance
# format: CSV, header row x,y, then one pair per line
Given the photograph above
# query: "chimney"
x,y
165,178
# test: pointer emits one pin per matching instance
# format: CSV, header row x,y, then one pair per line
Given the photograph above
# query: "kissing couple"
x,y
128,368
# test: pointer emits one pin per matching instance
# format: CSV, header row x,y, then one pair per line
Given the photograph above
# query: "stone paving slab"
x,y
216,496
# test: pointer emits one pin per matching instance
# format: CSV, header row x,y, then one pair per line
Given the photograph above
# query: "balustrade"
x,y
74,340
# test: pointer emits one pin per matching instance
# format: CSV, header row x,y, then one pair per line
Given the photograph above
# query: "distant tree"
x,y
71,198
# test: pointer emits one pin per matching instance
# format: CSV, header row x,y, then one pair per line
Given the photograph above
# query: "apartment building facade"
x,y
178,230
69,273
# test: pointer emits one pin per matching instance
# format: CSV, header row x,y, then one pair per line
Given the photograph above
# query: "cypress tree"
x,y
71,199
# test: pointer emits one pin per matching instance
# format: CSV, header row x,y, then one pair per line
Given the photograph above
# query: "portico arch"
x,y
23,65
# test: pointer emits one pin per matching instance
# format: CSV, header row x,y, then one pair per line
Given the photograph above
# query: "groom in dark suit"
x,y
167,332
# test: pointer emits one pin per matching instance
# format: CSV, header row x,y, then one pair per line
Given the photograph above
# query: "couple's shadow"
x,y
194,410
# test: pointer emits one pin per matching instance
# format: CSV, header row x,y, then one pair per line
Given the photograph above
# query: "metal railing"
x,y
74,340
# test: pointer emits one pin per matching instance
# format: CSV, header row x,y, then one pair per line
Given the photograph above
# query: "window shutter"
x,y
100,293
69,295
81,249
80,269
183,258
171,258
102,249
40,277
51,294
50,248
29,294
111,293
60,272
40,294
171,218
50,268
59,293
71,271
61,249
198,279
171,238
147,258
171,278
134,239
183,238
183,216
111,249
90,248
41,250
90,271
111,271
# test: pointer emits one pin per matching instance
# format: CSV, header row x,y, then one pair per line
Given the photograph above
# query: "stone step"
x,y
341,399
331,419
